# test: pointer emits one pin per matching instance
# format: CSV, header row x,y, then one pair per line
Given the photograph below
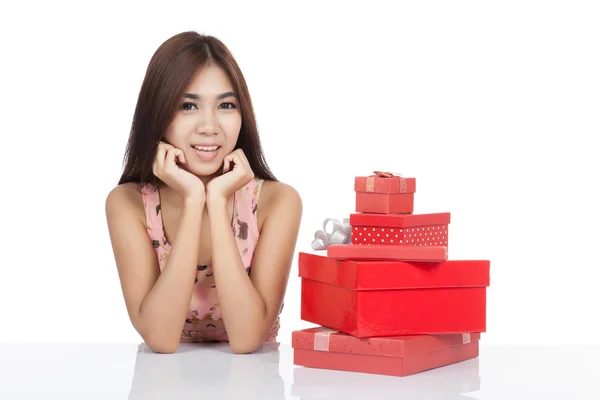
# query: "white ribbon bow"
x,y
341,234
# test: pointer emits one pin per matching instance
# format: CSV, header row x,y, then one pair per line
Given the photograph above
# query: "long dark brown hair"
x,y
169,73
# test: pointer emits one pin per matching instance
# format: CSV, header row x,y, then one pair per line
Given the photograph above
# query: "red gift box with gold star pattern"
x,y
384,193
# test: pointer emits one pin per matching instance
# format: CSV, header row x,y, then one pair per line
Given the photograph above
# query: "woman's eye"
x,y
191,106
230,104
186,106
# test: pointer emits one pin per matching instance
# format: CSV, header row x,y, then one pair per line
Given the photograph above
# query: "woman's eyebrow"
x,y
219,97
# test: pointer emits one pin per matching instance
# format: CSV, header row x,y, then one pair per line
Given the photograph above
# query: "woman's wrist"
x,y
215,201
194,201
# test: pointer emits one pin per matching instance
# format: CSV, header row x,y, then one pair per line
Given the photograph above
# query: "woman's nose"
x,y
207,123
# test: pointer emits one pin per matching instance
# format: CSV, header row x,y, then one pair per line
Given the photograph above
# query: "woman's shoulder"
x,y
126,197
273,191
276,195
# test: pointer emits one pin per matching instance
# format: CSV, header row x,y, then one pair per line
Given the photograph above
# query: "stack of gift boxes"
x,y
385,297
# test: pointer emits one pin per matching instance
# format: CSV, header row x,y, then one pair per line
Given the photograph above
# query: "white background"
x,y
492,106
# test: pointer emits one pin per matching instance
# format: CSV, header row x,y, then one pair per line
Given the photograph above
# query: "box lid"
x,y
382,275
387,252
399,220
324,339
385,184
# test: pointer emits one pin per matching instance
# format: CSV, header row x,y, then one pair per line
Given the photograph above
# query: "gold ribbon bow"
x,y
383,174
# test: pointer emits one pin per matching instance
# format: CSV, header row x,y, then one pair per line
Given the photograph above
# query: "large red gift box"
x,y
384,195
400,229
389,298
398,356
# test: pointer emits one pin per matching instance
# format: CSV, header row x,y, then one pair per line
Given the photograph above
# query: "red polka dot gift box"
x,y
388,298
384,193
396,356
400,229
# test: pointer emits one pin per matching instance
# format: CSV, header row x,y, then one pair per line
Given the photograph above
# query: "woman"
x,y
202,232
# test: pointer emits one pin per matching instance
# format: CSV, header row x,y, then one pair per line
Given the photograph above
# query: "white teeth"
x,y
206,148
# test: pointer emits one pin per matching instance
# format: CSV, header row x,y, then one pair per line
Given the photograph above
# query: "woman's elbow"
x,y
164,348
162,345
245,346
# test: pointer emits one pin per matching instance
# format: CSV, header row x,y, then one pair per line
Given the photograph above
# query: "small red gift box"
x,y
389,298
406,230
384,193
387,252
398,356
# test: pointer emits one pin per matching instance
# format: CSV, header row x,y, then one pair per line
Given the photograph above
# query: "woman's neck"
x,y
168,195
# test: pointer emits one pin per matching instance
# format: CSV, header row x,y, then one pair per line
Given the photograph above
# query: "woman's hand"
x,y
166,168
236,174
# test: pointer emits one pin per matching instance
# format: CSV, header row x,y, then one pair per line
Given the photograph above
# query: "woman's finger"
x,y
166,145
160,157
243,159
170,158
181,157
226,162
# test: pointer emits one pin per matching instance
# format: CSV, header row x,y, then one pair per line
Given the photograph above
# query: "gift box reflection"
x,y
207,371
448,383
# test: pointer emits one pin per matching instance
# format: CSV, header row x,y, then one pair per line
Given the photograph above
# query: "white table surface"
x,y
132,372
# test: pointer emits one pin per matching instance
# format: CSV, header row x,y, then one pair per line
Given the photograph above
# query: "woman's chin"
x,y
205,169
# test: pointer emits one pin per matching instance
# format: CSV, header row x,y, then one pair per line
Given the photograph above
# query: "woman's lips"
x,y
206,152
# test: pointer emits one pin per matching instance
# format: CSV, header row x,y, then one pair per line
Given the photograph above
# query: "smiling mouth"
x,y
206,152
207,149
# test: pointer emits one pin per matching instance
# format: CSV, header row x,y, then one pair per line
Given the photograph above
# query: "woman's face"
x,y
207,122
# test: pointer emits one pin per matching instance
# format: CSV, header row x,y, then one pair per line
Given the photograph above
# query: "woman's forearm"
x,y
241,305
166,306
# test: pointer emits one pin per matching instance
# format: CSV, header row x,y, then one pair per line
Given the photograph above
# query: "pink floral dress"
x,y
204,321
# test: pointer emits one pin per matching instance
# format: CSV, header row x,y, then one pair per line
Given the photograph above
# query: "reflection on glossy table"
x,y
211,371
